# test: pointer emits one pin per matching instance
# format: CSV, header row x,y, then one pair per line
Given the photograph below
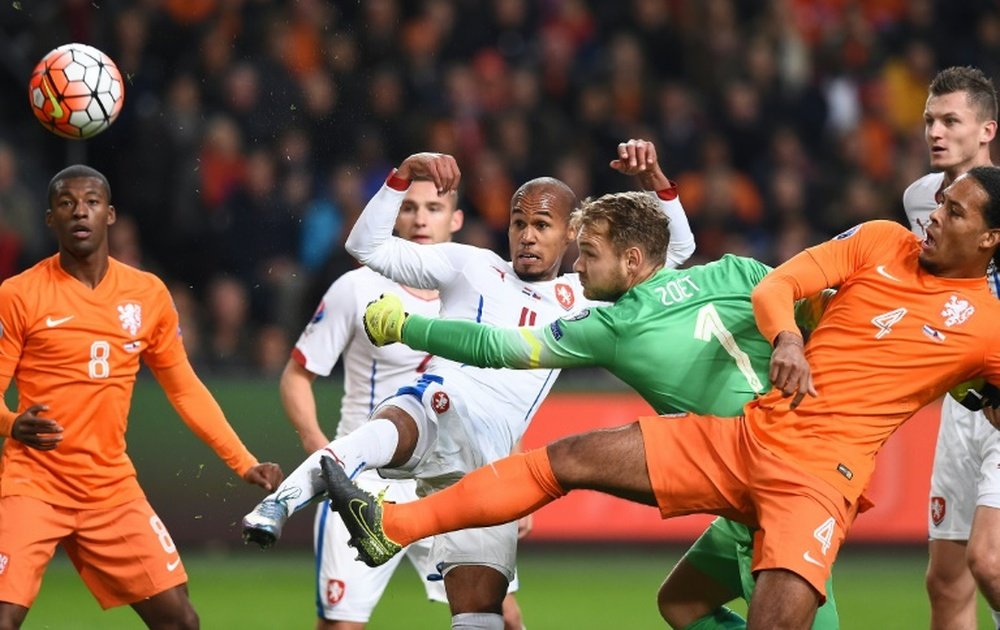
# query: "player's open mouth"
x,y
81,232
928,242
527,256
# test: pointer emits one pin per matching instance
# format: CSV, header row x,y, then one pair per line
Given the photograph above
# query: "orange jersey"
x,y
77,350
894,338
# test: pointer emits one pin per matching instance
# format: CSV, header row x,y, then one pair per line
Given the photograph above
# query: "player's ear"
x,y
457,220
112,215
48,217
633,258
989,131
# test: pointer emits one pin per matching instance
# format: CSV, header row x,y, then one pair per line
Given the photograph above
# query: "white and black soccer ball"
x,y
76,91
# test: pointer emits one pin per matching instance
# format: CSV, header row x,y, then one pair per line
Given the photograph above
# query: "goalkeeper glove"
x,y
976,394
384,319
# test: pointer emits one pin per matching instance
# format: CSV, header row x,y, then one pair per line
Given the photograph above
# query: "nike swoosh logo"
x,y
173,565
882,272
57,110
357,507
55,322
808,558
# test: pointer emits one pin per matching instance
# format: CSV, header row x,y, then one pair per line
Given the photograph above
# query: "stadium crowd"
x,y
254,131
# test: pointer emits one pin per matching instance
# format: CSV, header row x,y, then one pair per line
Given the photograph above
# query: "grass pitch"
x,y
562,588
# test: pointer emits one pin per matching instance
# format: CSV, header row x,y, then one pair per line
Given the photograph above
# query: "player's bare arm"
x,y
299,402
36,431
440,168
790,372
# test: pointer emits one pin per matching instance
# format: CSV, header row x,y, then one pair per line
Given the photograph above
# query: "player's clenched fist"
x,y
384,319
440,168
267,475
638,157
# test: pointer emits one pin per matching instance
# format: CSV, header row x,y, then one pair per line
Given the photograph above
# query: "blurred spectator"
x,y
272,349
222,162
258,232
229,337
124,243
782,121
190,317
23,216
10,247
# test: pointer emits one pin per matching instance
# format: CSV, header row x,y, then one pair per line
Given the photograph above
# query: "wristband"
x,y
396,182
668,194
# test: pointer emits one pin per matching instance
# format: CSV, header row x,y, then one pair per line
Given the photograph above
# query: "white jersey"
x,y
476,284
966,469
336,330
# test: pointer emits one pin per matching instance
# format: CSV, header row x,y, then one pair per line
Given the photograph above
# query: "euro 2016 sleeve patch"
x,y
556,330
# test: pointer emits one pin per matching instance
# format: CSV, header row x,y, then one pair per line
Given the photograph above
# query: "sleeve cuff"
x,y
7,419
414,331
669,193
397,183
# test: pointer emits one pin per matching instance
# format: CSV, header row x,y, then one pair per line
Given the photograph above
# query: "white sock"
x,y
477,621
996,618
371,445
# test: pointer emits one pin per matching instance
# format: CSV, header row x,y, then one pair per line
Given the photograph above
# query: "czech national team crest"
x,y
130,315
335,590
440,402
564,295
938,509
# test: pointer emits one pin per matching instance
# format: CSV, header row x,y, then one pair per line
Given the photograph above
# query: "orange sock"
x,y
497,493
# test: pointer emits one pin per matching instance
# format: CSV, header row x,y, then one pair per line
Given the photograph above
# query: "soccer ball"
x,y
76,91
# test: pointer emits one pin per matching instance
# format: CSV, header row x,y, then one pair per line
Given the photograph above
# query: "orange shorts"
x,y
714,465
123,553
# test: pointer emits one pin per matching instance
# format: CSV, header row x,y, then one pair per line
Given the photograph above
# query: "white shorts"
x,y
966,471
458,434
346,588
462,435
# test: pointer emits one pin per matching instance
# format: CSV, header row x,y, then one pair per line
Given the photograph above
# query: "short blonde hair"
x,y
631,219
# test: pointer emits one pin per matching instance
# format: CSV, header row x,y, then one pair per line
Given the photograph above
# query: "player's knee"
x,y
678,614
944,585
984,563
570,463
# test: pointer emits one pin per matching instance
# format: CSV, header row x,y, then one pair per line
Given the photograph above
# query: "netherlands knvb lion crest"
x,y
130,315
565,296
956,311
4,561
938,509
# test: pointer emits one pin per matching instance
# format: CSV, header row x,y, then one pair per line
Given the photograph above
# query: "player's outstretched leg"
x,y
264,523
370,446
361,513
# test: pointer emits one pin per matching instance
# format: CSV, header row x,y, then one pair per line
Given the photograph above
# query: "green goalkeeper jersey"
x,y
685,340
